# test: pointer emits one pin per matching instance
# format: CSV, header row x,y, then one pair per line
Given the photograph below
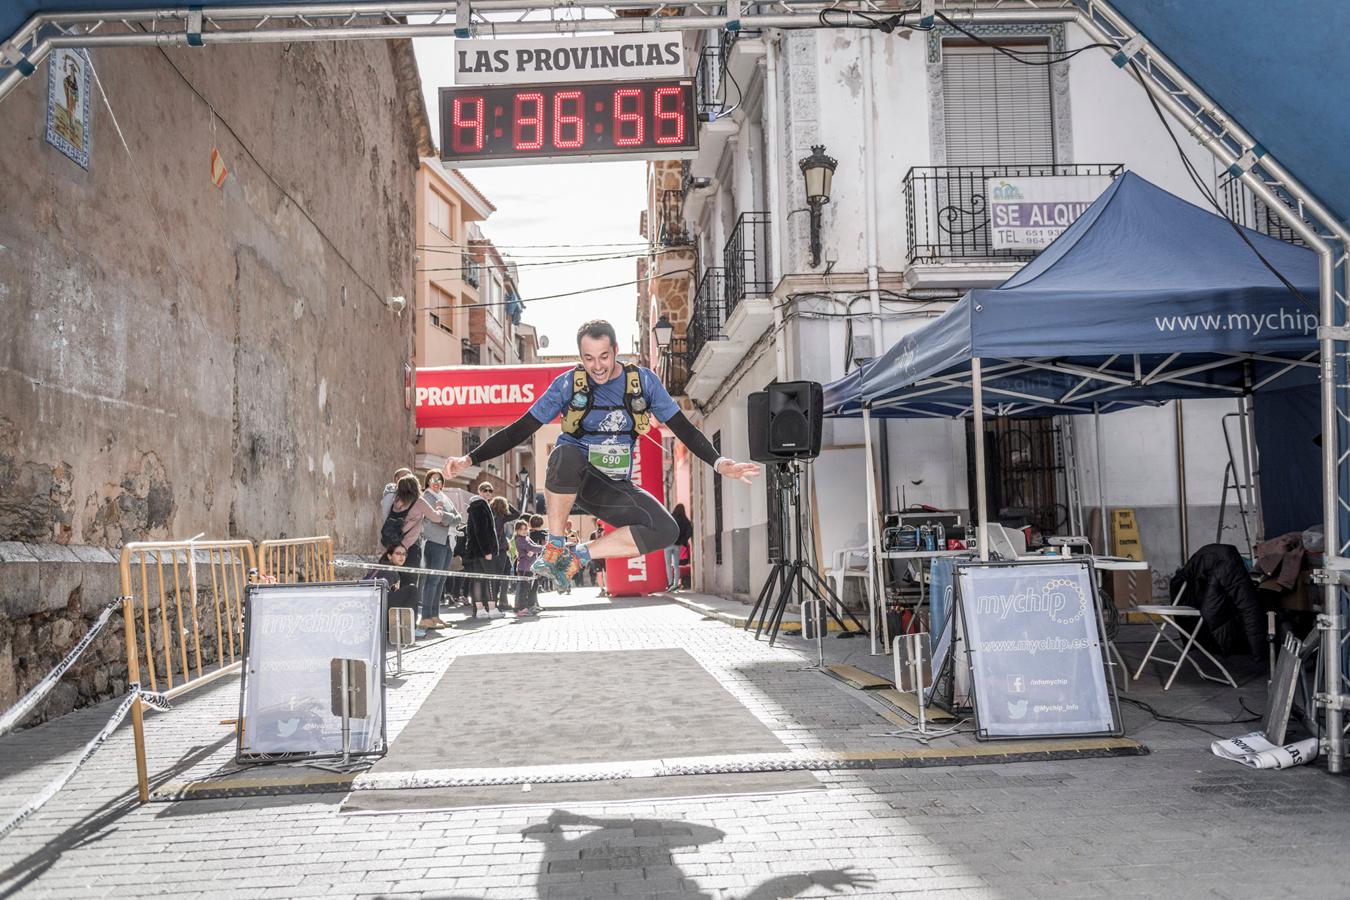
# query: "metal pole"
x,y
981,494
1252,462
1101,480
875,586
1183,510
1330,620
346,711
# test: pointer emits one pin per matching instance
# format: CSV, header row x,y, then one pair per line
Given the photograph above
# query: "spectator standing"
x,y
503,517
438,545
407,515
481,549
387,497
597,566
525,552
673,554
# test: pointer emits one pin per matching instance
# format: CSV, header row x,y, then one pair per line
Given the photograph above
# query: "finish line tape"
x,y
413,570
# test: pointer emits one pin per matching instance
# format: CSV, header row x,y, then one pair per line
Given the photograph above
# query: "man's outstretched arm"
x,y
498,442
701,447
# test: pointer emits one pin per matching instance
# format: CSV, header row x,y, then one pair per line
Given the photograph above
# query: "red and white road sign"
x,y
474,396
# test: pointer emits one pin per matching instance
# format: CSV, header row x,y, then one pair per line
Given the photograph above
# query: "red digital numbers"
x,y
591,119
468,119
669,104
528,118
565,120
628,123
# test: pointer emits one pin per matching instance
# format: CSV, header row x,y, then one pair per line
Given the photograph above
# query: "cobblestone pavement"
x,y
1176,823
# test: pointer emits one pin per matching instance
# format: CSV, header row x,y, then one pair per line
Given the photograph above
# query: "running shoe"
x,y
554,563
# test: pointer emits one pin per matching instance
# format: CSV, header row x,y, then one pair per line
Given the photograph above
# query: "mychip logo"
x,y
1060,599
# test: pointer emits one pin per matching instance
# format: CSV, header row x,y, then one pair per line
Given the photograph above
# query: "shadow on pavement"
x,y
582,844
96,826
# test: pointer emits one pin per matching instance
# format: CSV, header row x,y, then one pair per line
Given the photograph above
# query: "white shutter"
x,y
997,110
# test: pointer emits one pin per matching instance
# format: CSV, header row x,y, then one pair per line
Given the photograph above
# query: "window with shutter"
x,y
997,111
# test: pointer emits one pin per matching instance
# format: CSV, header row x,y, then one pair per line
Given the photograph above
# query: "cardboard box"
x,y
1130,589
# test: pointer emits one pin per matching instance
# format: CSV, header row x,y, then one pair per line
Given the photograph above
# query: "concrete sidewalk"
x,y
1176,823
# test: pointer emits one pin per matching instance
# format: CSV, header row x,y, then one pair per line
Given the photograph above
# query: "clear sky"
x,y
572,204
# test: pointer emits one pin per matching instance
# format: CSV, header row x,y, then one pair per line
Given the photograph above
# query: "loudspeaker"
x,y
785,421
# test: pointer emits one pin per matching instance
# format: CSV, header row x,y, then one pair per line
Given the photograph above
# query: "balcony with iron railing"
x,y
671,230
746,258
709,88
708,315
470,269
1248,210
675,361
947,210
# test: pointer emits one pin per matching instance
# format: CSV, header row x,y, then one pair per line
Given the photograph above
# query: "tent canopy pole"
x,y
981,494
875,586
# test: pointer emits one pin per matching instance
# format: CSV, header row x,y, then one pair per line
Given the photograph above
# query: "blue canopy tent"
x,y
1145,298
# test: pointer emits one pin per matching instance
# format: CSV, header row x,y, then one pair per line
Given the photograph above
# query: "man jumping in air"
x,y
605,407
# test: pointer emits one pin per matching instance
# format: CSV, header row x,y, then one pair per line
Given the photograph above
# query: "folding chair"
x,y
1162,617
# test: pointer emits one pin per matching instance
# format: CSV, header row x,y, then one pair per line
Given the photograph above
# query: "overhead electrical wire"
x,y
577,293
543,264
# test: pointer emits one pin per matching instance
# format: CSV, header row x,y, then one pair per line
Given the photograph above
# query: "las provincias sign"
x,y
569,59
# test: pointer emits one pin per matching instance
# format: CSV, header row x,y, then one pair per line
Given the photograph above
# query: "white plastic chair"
x,y
1161,617
850,562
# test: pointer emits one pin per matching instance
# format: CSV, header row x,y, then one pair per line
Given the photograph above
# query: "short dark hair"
x,y
597,328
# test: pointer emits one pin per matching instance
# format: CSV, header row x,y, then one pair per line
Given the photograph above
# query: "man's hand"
x,y
487,556
454,465
740,471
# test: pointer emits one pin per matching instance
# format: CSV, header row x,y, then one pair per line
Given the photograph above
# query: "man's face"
x,y
598,358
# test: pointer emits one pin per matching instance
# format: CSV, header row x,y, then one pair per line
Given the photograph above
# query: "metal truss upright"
x,y
1201,116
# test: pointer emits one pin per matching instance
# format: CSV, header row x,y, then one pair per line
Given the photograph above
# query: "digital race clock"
x,y
654,119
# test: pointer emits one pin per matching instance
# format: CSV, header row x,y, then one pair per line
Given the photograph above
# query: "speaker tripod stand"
x,y
797,573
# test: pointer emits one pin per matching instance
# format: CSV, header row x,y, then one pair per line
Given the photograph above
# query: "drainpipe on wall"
x,y
870,224
775,199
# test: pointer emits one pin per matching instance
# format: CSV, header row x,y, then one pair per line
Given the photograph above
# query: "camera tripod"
x,y
796,572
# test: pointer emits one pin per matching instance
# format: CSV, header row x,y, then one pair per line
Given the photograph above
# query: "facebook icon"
x,y
1015,684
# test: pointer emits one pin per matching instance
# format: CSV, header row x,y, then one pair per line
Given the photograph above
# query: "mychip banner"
x,y
1033,638
293,633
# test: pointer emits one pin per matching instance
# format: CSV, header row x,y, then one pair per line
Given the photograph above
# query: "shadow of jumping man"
x,y
591,847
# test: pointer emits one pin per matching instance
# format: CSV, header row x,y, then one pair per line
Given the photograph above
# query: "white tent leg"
x,y
876,587
1105,549
981,493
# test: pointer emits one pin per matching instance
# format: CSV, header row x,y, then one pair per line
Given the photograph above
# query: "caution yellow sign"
x,y
1125,535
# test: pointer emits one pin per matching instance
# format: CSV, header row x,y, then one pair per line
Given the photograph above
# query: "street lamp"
x,y
818,170
663,331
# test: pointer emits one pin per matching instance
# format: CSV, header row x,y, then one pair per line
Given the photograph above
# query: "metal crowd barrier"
x,y
165,623
296,560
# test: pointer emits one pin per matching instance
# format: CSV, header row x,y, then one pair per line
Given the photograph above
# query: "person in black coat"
x,y
482,550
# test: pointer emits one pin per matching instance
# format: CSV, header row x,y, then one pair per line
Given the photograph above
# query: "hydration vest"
x,y
583,401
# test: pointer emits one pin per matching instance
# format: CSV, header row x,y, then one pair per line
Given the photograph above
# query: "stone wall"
x,y
180,358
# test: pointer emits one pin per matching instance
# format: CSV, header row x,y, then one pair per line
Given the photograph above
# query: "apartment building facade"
x,y
915,122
